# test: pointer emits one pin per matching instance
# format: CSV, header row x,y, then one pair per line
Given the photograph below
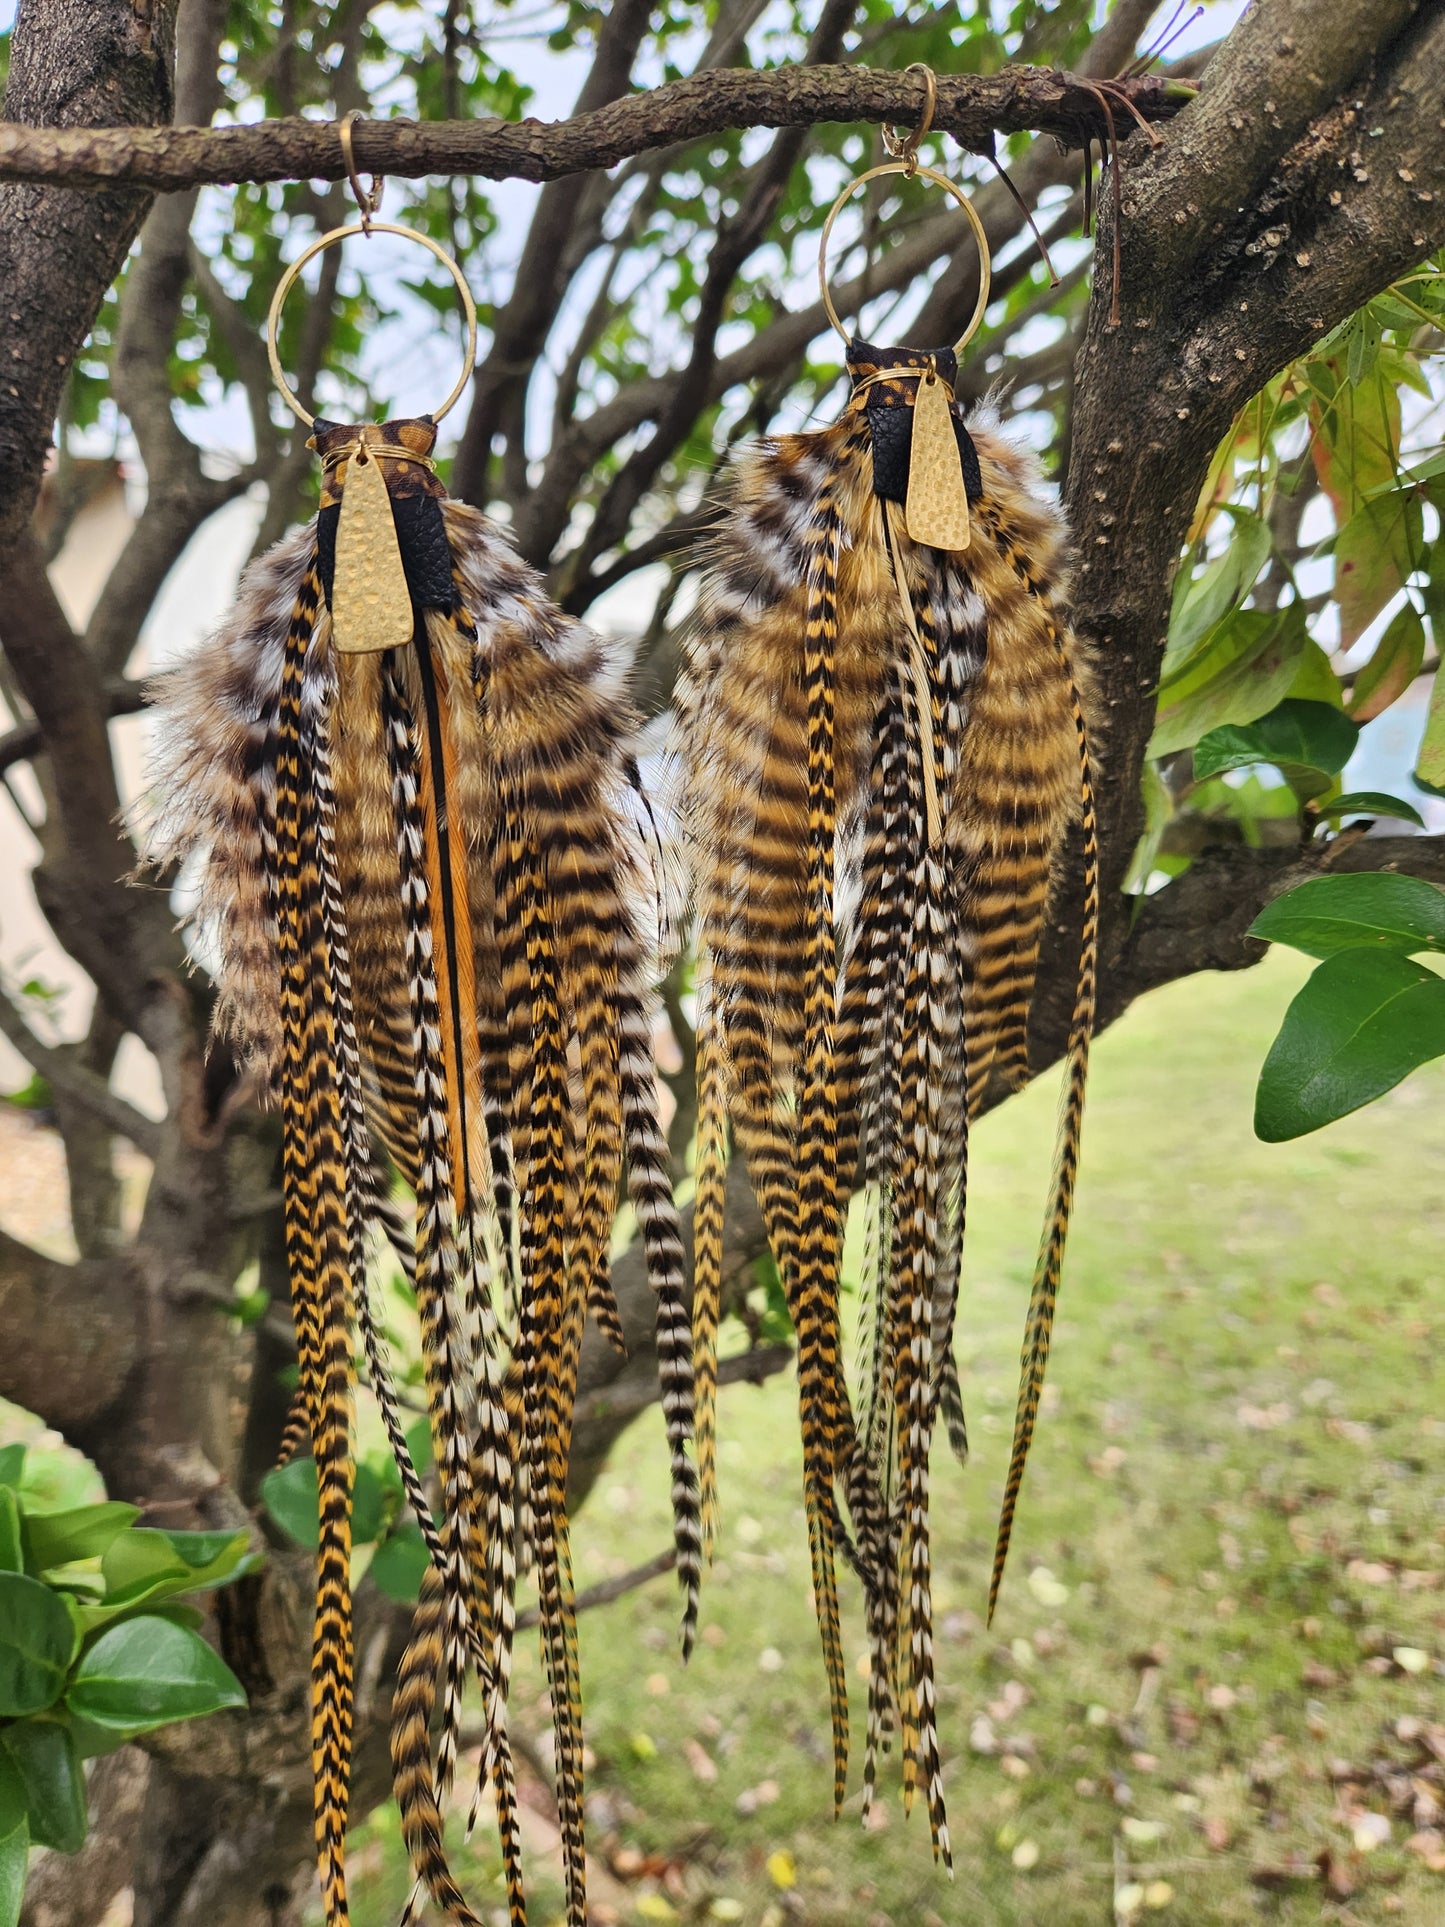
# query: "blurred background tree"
x,y
1238,405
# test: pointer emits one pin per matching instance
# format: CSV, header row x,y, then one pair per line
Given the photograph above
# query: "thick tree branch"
x,y
59,250
1350,204
64,1068
1200,921
1281,65
971,107
69,1339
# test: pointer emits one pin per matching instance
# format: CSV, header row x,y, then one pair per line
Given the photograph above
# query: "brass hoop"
x,y
911,168
336,236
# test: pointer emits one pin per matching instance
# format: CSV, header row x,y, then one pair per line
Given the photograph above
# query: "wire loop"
x,y
904,147
911,167
367,201
333,239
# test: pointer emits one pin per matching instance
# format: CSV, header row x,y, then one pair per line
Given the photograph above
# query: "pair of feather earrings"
x,y
408,788
881,745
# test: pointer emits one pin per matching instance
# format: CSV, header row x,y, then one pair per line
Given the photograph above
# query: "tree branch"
x,y
64,1068
759,191
70,1341
971,107
59,251
26,740
550,257
1201,920
117,935
1347,207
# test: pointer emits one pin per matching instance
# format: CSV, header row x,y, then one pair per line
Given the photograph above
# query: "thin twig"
x,y
607,1590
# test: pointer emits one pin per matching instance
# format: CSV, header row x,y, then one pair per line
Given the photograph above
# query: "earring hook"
x,y
905,147
368,202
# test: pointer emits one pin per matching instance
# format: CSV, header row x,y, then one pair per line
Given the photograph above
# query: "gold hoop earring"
x,y
367,226
913,170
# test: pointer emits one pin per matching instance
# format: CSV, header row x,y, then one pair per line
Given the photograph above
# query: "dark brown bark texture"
x,y
1309,173
971,107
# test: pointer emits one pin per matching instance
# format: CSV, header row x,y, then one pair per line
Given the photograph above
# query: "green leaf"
x,y
94,1742
44,1755
1392,668
140,1563
1369,803
14,1853
59,1538
290,1497
1330,914
400,1562
1251,662
1430,764
12,1464
1365,1019
212,1557
1315,680
146,1565
148,1672
34,1095
12,1551
1375,552
37,1643
1203,602
12,1795
1304,740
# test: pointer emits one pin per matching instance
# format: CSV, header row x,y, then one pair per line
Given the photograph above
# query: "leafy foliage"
x,y
381,1523
1369,1015
1314,581
95,1648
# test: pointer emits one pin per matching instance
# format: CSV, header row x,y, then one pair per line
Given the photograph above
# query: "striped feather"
x,y
876,764
426,882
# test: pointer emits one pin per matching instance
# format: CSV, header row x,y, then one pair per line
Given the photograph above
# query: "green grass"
x,y
1237,1486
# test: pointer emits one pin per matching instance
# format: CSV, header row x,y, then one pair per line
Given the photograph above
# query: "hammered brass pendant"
x,y
936,514
371,605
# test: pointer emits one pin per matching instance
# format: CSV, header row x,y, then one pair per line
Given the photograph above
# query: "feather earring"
x,y
406,786
880,745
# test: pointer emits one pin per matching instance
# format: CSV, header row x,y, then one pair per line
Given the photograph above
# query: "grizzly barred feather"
x,y
428,899
878,751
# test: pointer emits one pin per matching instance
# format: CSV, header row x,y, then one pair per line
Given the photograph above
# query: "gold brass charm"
x,y
937,508
370,602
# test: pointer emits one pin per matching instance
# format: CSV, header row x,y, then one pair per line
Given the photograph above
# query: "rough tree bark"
x,y
1309,174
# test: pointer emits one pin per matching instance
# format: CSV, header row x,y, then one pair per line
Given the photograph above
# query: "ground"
x,y
1212,1692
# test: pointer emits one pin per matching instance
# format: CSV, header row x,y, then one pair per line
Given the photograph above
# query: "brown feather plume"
x,y
878,749
420,882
